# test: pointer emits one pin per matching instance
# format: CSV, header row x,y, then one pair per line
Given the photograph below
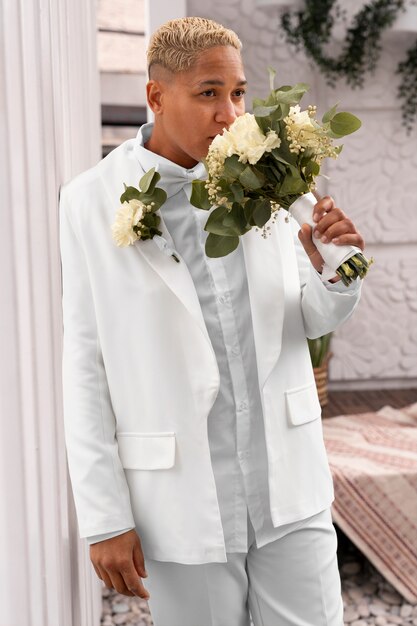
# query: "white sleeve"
x,y
96,538
324,306
101,493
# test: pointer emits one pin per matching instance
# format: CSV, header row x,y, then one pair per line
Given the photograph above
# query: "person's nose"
x,y
226,113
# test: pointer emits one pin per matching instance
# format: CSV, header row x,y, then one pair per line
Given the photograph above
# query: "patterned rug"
x,y
373,459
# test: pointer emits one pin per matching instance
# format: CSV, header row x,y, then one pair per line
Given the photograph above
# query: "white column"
x,y
49,131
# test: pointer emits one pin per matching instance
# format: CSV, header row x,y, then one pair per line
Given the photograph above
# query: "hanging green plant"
x,y
407,90
311,29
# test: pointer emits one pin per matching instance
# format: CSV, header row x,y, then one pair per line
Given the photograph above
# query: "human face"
x,y
193,106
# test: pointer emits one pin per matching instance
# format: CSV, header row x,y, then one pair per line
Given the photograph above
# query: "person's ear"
x,y
154,94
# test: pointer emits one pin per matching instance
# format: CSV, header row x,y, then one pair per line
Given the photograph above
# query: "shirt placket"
x,y
239,382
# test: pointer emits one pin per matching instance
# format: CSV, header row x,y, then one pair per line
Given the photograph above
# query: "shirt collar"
x,y
173,176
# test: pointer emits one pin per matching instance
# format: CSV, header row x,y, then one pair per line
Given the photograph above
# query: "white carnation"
x,y
127,216
245,139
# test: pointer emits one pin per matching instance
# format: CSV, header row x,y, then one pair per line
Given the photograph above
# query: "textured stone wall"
x,y
375,183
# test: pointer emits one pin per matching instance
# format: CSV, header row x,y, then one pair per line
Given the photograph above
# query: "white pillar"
x,y
49,131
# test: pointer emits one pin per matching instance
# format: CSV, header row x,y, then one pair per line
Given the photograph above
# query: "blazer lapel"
x,y
264,269
176,275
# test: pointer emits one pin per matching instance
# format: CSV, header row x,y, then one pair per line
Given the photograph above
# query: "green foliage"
x,y
407,89
344,123
217,246
311,29
199,195
244,194
147,193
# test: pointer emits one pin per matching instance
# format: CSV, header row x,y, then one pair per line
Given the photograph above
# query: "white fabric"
x,y
139,360
235,423
293,581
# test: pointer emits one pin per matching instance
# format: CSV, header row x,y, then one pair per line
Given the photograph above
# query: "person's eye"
x,y
208,93
240,93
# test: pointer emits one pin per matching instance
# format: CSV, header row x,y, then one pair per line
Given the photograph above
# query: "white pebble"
x,y
391,597
350,615
376,609
380,621
120,607
363,610
406,610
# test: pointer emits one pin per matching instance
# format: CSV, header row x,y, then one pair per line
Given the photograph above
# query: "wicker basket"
x,y
321,376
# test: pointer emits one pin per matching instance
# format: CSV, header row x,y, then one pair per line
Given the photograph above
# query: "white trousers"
x,y
293,581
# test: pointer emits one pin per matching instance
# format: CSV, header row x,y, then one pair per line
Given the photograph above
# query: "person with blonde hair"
x,y
192,420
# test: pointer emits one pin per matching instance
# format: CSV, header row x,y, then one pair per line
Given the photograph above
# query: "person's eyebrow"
x,y
220,83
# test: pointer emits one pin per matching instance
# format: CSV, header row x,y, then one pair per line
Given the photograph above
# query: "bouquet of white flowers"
x,y
269,160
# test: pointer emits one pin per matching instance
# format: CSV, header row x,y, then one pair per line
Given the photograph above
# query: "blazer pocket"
x,y
146,450
303,404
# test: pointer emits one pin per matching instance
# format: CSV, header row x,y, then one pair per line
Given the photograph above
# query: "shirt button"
x,y
234,351
222,299
243,405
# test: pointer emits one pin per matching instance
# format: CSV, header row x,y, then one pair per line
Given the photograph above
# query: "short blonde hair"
x,y
177,43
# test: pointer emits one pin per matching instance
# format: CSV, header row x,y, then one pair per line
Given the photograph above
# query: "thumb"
x,y
305,236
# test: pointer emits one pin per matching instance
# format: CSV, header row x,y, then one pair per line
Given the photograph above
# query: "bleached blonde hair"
x,y
177,43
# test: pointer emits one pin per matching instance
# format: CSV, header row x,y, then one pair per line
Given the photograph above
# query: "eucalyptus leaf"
x,y
250,206
232,167
238,194
272,73
218,246
130,193
199,195
235,220
329,115
292,95
158,196
293,185
251,178
264,111
262,212
344,123
148,181
214,223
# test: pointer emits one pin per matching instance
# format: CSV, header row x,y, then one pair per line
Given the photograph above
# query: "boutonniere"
x,y
136,218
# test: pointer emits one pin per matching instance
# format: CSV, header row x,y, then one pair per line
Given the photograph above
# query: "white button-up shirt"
x,y
235,422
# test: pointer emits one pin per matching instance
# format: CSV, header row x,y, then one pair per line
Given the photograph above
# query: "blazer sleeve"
x,y
324,305
101,493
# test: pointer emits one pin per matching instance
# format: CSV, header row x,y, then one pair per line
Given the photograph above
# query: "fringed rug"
x,y
373,459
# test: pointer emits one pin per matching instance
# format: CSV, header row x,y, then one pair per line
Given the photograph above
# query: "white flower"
x,y
128,215
245,139
304,132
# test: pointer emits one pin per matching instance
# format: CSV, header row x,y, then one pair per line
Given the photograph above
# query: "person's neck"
x,y
158,144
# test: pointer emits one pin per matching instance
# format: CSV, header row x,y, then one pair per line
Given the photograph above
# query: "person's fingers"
x,y
105,577
324,205
139,560
304,235
352,239
333,228
330,218
133,582
119,583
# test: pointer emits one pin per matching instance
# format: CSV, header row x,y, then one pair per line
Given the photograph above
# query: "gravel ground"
x,y
369,600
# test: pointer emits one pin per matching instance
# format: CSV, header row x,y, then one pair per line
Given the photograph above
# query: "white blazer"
x,y
140,374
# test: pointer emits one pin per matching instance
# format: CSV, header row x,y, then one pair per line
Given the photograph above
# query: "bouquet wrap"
x,y
334,256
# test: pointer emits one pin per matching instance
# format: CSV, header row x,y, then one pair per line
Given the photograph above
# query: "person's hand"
x,y
334,225
119,563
